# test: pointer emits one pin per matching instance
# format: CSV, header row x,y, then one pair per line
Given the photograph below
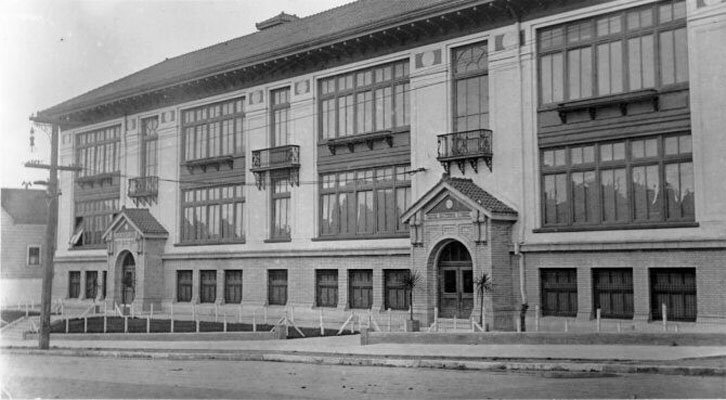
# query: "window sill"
x,y
361,237
216,243
88,247
278,240
660,225
204,163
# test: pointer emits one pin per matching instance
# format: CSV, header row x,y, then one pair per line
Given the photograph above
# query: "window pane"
x,y
580,73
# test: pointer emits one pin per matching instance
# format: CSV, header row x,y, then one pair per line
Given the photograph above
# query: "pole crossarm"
x,y
59,167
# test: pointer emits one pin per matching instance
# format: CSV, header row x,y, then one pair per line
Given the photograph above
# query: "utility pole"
x,y
50,233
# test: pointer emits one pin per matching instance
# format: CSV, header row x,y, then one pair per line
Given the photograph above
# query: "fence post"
x,y
224,321
85,324
151,312
352,322
197,322
597,315
171,316
436,318
536,318
620,326
519,324
664,310
566,327
254,320
27,312
126,324
105,317
322,327
389,319
194,311
292,314
148,324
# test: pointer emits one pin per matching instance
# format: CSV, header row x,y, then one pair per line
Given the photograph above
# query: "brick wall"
x,y
710,266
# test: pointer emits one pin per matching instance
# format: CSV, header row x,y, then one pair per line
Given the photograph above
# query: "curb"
x,y
370,361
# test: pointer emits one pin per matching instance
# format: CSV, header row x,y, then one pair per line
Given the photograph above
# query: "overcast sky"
x,y
53,50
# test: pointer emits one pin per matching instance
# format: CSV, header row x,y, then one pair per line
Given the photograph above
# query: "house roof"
x,y
468,188
141,219
468,192
340,23
25,206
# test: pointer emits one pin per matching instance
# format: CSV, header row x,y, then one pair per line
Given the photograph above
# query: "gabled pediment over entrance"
x,y
135,221
458,197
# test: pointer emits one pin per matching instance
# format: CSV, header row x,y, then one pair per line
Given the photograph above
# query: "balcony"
x,y
369,139
144,189
461,147
284,158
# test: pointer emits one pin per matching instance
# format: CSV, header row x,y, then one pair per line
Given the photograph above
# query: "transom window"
x,y
92,219
280,208
97,151
639,48
368,100
641,180
213,214
213,130
471,87
150,143
280,116
365,202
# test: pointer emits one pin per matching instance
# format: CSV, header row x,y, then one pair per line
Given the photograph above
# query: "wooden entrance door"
x,y
456,283
128,280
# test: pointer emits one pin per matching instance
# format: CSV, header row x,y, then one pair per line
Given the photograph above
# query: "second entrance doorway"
x,y
456,282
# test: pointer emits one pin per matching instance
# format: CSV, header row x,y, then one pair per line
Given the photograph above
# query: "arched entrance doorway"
x,y
456,281
128,279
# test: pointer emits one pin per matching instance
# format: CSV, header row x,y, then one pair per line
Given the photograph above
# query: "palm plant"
x,y
410,282
483,285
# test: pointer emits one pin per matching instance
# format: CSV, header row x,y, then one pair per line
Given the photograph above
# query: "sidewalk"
x,y
346,350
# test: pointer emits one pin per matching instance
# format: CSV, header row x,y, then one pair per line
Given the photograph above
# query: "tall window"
x,y
613,292
150,143
97,152
642,180
471,87
213,214
676,288
365,202
360,293
213,130
208,286
559,291
397,293
184,285
74,284
639,48
34,255
367,100
92,219
232,286
280,208
280,117
91,284
326,288
277,287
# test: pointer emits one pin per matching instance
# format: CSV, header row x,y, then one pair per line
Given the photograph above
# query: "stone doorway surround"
x,y
457,209
135,232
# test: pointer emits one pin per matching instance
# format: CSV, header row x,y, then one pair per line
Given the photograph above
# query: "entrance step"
x,y
453,325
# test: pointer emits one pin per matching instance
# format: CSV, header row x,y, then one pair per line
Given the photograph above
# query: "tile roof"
x,y
479,195
25,206
338,23
142,218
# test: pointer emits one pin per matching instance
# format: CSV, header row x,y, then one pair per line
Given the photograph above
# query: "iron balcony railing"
x,y
144,186
280,157
467,144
